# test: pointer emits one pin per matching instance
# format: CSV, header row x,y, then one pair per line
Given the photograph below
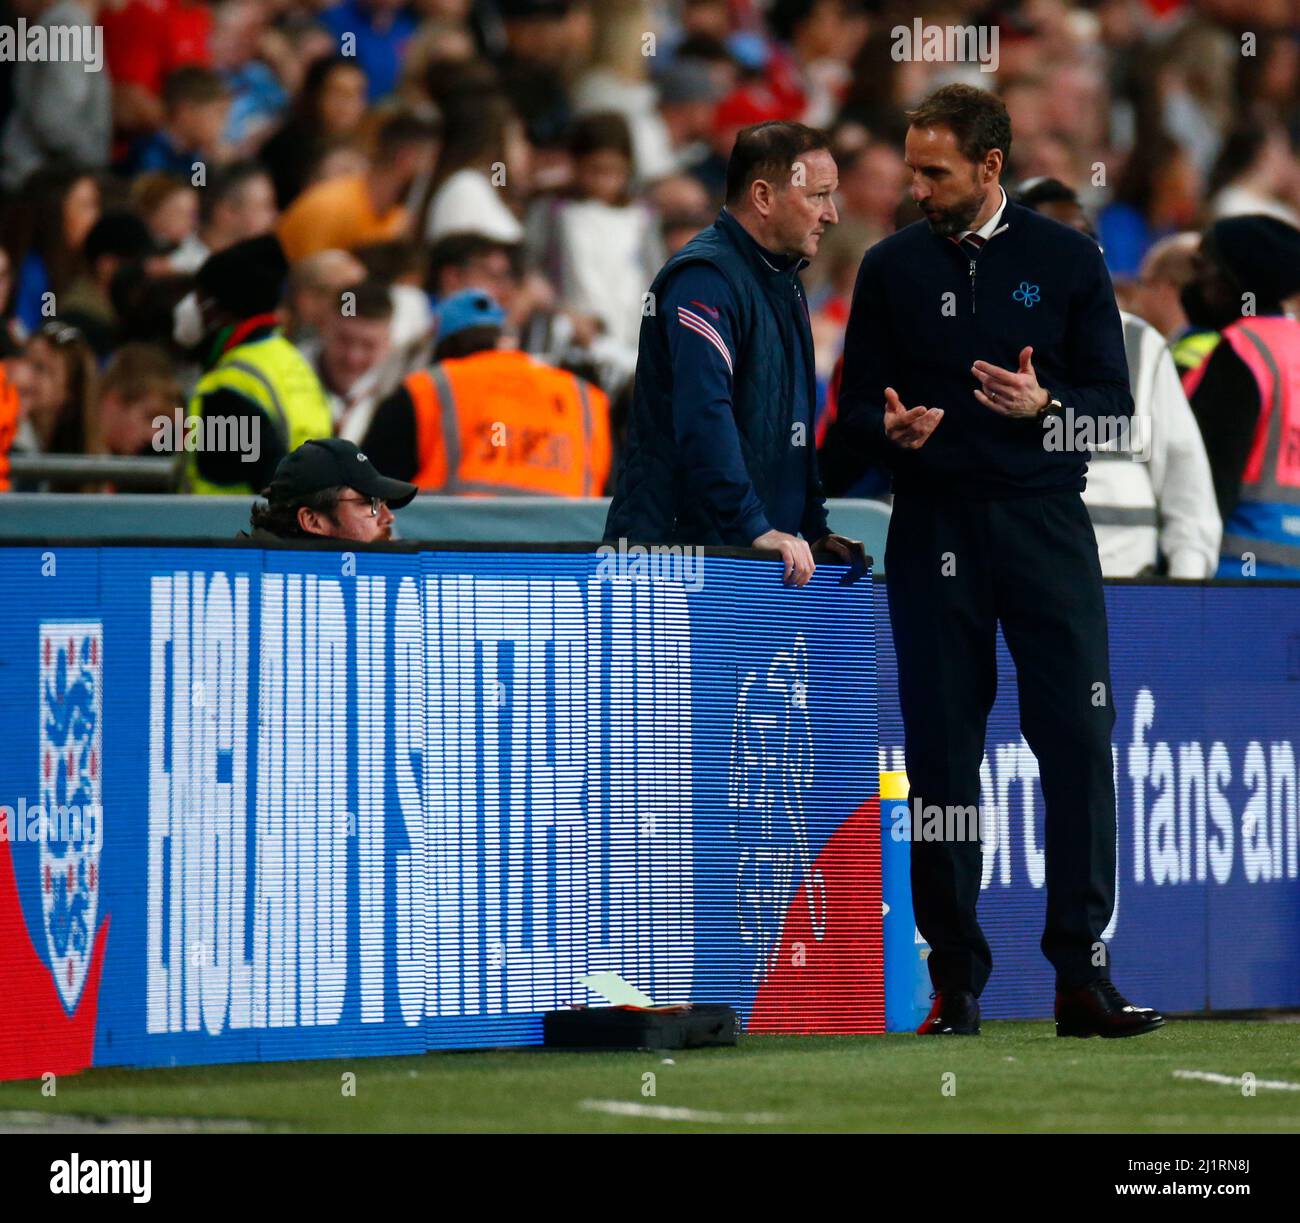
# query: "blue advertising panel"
x,y
1207,694
285,803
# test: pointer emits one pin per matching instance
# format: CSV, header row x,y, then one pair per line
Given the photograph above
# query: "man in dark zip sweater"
x,y
983,349
721,447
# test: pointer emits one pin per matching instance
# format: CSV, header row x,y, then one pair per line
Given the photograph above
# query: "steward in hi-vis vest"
x,y
259,398
1149,496
490,421
1246,395
1191,350
8,424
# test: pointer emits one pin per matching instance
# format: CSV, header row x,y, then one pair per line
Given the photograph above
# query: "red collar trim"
x,y
243,329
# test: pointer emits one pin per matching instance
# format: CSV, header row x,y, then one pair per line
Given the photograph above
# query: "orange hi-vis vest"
x,y
500,423
8,425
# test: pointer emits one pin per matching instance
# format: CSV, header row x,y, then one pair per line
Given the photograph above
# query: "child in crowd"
x,y
599,247
197,102
138,386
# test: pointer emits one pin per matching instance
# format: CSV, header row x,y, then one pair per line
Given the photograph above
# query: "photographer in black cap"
x,y
328,488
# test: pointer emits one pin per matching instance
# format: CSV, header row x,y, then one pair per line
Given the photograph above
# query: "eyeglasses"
x,y
373,502
58,333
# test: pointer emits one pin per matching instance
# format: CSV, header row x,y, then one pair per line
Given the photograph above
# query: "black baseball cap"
x,y
331,462
247,278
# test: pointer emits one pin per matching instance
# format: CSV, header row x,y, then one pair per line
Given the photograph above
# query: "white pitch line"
x,y
662,1112
1206,1076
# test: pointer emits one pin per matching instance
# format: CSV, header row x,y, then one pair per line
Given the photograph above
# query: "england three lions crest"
x,y
771,771
71,788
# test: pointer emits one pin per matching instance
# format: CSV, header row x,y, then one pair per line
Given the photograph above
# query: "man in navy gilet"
x,y
720,444
973,336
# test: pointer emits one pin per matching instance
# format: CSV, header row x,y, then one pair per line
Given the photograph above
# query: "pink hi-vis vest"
x,y
1266,522
1270,347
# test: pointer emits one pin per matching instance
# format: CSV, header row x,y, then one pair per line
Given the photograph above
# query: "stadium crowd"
x,y
428,227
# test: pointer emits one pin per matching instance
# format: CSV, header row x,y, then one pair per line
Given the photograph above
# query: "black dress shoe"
x,y
1099,1009
954,1013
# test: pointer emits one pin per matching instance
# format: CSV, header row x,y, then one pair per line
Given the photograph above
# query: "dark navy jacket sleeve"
x,y
814,524
861,405
699,317
1099,384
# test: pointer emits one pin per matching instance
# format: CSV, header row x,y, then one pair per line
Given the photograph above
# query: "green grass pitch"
x,y
1015,1077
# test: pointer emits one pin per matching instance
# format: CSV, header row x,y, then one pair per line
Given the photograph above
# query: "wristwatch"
x,y
1052,405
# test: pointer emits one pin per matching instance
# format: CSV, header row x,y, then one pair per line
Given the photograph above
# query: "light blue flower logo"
x,y
1027,293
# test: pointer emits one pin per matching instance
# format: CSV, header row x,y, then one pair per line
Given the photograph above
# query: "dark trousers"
x,y
954,569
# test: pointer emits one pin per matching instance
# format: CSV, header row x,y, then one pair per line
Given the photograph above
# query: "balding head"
x,y
315,285
1167,267
1170,260
325,269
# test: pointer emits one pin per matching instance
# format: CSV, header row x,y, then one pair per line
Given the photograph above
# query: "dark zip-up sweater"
x,y
925,310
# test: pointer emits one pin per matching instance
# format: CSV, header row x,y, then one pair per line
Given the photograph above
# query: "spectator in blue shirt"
x,y
1155,197
379,30
45,234
257,98
197,102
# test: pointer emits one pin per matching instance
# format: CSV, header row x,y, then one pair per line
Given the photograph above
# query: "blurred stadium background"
x,y
570,146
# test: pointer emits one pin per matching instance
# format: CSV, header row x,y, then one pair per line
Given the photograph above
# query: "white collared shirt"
x,y
990,227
